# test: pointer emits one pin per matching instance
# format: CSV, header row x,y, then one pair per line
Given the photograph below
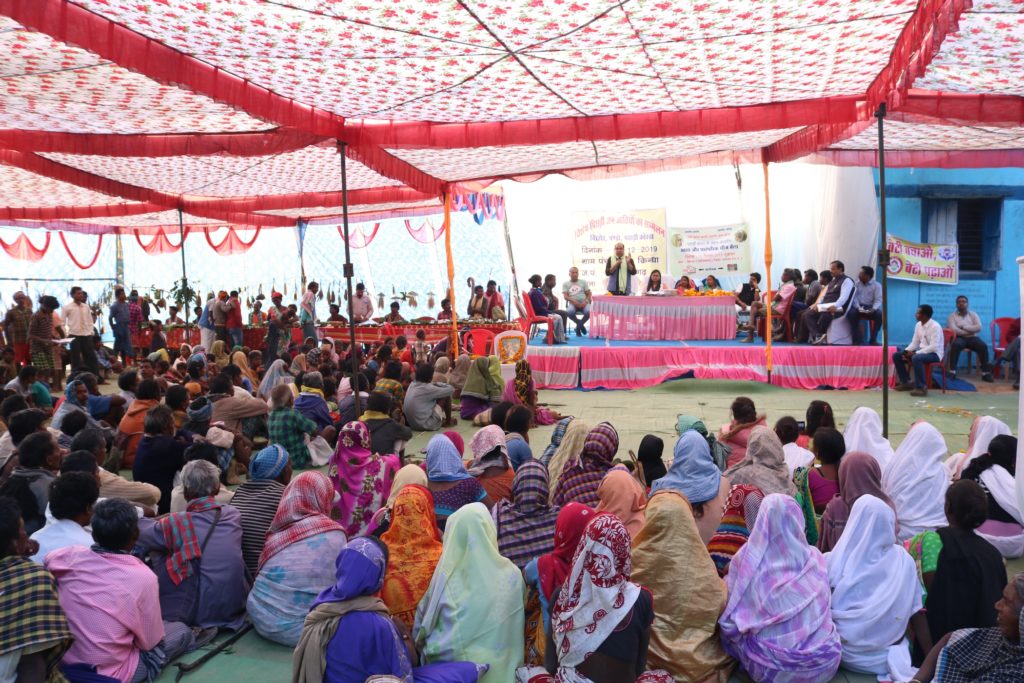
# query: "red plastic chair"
x,y
528,321
478,339
1000,328
947,340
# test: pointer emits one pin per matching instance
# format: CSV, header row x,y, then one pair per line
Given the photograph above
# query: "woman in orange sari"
x,y
414,548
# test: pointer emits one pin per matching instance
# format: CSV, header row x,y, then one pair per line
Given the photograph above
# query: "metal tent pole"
x,y
883,267
184,274
348,272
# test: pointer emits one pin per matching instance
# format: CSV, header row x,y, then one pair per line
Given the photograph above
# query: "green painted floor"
x,y
653,411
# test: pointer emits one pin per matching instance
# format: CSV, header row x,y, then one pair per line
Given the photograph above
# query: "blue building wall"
x,y
990,296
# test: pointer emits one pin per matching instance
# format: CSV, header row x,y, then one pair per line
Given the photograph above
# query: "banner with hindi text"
x,y
595,234
936,264
710,250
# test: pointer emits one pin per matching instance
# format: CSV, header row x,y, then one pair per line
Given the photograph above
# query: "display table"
x,y
660,318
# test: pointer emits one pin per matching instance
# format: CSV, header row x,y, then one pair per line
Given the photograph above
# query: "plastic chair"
x,y
947,340
478,338
528,321
1000,328
510,346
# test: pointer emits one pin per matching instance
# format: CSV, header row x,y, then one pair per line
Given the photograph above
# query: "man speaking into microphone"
x,y
619,270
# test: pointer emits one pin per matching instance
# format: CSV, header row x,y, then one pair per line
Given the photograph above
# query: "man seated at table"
x,y
577,297
395,316
495,309
540,309
477,307
966,324
869,304
781,303
360,307
749,292
446,310
927,346
620,269
833,303
335,314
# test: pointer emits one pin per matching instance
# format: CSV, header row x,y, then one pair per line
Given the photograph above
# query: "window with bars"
x,y
974,224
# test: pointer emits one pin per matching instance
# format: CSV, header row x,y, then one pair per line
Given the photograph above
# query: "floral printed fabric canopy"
x,y
116,113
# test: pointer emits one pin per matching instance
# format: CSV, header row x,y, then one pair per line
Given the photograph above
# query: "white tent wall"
x,y
819,213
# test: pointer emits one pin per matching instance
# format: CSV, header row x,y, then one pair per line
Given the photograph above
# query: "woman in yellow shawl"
x,y
219,354
670,559
239,359
414,548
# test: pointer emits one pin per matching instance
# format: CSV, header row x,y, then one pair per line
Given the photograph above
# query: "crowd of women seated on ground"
x,y
783,551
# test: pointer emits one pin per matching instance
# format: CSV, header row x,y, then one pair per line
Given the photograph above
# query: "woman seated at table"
x,y
685,284
656,285
711,284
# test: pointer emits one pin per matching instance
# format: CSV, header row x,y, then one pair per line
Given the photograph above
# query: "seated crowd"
x,y
784,551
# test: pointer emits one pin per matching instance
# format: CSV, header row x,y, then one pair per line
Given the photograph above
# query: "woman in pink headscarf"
x,y
361,478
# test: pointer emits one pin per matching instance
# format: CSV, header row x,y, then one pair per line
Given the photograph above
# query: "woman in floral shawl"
x,y
414,549
580,481
361,478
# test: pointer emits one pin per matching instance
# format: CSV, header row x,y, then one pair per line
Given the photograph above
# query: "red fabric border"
x,y
95,256
998,158
420,135
967,109
161,244
274,141
231,244
48,213
364,239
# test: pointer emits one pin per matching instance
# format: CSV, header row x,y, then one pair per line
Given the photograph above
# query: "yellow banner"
x,y
937,264
595,234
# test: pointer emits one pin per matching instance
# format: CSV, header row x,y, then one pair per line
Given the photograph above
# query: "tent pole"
x,y
883,267
348,272
184,274
454,346
768,257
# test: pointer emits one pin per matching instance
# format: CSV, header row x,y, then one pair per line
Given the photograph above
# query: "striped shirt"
x,y
257,502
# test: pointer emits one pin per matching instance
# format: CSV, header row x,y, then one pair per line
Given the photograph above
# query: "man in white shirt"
x,y
72,497
966,324
577,297
927,346
361,307
78,323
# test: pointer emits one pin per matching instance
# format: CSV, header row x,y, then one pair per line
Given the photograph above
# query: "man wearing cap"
x,y
15,326
78,323
360,308
257,500
219,310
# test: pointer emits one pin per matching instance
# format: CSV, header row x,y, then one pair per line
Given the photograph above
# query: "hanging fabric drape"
x,y
23,249
232,244
160,244
426,233
357,239
95,256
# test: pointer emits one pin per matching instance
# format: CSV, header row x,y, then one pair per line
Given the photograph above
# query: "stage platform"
x,y
586,363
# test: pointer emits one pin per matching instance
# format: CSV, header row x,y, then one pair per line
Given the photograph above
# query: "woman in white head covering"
x,y
864,433
875,592
916,481
983,430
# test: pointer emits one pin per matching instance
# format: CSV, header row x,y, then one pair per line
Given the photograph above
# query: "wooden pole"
x,y
454,346
768,272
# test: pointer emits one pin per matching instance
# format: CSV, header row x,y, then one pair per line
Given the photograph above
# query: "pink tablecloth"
x,y
663,318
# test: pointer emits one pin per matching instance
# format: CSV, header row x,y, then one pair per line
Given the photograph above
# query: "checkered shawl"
x,y
526,526
30,612
580,482
983,655
180,537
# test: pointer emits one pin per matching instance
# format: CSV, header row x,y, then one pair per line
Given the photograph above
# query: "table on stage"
x,y
660,318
